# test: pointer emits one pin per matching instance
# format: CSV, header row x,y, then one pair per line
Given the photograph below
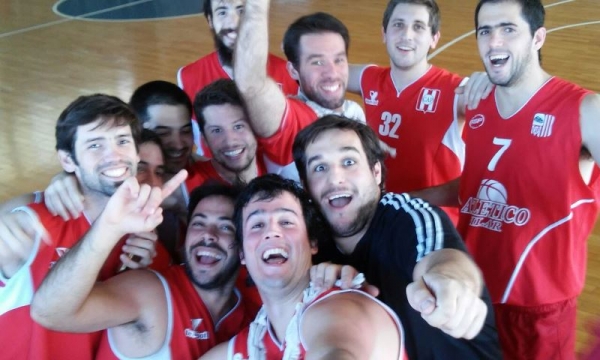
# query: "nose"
x,y
336,175
272,231
232,21
496,39
175,141
210,235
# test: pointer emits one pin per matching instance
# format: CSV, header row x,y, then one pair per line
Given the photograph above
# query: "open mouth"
x,y
205,257
339,200
233,153
498,60
115,173
331,88
275,256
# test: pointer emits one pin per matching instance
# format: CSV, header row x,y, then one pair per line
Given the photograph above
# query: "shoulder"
x,y
445,77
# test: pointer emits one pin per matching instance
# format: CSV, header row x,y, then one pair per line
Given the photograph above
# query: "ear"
x,y
314,247
66,161
210,23
377,172
539,37
383,34
436,38
292,70
242,260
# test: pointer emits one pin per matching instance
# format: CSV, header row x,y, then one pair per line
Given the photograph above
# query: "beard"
x,y
363,218
225,53
227,273
517,72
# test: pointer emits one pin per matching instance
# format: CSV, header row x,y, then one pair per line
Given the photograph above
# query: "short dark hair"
x,y
88,109
157,92
210,188
207,9
532,11
316,23
219,92
270,186
432,8
368,139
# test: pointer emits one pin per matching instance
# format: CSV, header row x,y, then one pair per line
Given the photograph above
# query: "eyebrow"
x,y
202,216
316,56
502,24
98,138
342,149
262,211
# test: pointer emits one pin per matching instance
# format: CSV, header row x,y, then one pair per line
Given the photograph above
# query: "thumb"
x,y
420,297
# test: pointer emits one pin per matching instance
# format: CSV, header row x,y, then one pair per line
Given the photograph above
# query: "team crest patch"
x,y
193,333
542,125
372,100
477,121
428,100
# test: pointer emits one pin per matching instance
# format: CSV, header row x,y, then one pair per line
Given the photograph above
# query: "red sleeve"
x,y
278,147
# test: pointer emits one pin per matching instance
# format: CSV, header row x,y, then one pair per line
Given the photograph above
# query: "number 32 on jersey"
x,y
391,123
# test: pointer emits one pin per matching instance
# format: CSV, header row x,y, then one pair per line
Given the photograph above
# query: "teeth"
x,y
271,252
498,57
175,153
338,196
208,254
406,48
331,87
233,152
115,172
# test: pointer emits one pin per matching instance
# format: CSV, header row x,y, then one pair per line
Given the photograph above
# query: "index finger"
x,y
173,184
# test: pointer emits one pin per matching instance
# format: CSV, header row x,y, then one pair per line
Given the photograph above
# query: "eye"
x,y
227,228
509,30
319,168
197,224
419,27
215,131
221,13
398,25
187,130
317,62
340,60
94,146
483,32
124,141
141,170
162,133
258,225
238,127
160,173
349,162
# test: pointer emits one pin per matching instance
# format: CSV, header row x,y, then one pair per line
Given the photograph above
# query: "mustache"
x,y
207,244
115,163
225,32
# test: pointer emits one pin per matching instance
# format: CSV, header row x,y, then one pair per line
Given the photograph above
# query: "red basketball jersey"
x,y
201,171
191,331
526,213
195,76
421,123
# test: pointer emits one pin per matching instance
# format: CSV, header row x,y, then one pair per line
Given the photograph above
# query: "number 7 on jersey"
x,y
504,143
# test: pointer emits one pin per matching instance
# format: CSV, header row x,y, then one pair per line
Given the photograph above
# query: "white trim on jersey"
x,y
534,241
179,81
428,225
453,137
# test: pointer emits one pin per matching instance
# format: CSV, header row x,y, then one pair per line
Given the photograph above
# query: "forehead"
x,y
226,3
97,129
331,142
325,43
491,14
223,114
151,153
174,116
215,206
410,12
285,200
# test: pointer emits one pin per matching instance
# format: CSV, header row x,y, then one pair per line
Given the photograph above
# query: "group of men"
x,y
433,300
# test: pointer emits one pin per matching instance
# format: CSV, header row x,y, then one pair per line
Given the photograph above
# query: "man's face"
x,y
276,248
105,157
505,44
151,168
212,255
340,180
224,23
408,37
229,136
173,126
323,69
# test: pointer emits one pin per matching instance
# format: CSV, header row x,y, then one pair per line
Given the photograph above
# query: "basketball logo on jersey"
x,y
373,98
428,100
490,209
477,121
542,125
193,333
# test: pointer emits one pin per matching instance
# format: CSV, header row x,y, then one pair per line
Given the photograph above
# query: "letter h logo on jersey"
x,y
428,100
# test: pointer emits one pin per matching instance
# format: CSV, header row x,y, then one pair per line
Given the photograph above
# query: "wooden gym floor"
x,y
47,60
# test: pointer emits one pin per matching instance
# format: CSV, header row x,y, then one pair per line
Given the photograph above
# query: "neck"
x,y
347,244
280,305
511,98
403,77
94,204
218,301
233,177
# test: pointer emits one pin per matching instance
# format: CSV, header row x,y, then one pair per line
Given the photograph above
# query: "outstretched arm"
x,y
265,102
354,75
441,195
350,326
133,208
446,290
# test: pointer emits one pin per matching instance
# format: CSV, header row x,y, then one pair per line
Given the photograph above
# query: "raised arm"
x,y
446,289
67,299
265,101
350,326
590,125
354,76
